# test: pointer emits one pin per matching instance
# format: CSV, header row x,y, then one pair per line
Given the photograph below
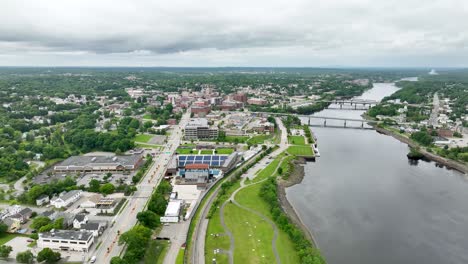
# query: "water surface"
x,y
365,204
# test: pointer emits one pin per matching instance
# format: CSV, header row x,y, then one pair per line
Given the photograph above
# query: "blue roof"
x,y
212,160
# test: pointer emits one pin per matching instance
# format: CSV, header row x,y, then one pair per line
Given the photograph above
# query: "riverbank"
x,y
295,177
451,164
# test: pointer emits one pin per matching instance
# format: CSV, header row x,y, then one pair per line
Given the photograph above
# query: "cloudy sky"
x,y
408,33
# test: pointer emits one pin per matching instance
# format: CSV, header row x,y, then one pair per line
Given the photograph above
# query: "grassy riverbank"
x,y
250,225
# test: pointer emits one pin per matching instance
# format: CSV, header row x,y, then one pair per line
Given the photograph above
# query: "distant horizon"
x,y
240,67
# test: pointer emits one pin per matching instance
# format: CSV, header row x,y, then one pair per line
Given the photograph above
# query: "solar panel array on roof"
x,y
212,160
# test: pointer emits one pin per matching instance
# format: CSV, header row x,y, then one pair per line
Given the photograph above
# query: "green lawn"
x,y
258,139
147,116
156,251
143,138
215,239
207,151
180,256
4,238
232,139
143,145
301,151
224,151
186,151
296,140
250,198
269,170
252,236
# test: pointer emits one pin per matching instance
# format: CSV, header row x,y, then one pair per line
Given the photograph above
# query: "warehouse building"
x,y
172,212
95,164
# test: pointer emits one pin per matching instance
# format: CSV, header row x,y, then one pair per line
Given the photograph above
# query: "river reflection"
x,y
366,204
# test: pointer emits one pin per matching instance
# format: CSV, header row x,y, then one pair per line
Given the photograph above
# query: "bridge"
x,y
324,118
340,102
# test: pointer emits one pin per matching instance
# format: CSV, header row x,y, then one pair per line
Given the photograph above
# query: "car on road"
x,y
93,259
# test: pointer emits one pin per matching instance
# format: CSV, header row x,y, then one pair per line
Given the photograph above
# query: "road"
x,y
433,119
136,203
199,233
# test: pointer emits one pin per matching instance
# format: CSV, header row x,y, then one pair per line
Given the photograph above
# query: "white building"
x,y
67,240
79,220
66,199
41,200
172,212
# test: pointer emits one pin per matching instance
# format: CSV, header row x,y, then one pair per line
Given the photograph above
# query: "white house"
x,y
68,240
80,219
66,199
41,200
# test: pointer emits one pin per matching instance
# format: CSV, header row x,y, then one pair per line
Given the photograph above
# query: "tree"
x,y
107,188
40,221
148,219
3,228
5,251
48,255
117,260
25,257
94,185
280,170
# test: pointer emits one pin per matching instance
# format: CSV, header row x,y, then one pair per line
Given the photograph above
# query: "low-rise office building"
x,y
198,128
67,240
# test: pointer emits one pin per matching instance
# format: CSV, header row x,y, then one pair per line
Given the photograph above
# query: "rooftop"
x,y
100,160
67,234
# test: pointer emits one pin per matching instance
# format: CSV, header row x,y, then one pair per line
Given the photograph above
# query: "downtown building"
x,y
198,128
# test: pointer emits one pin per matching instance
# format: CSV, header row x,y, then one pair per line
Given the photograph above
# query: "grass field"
x,y
147,116
252,235
180,256
296,140
258,139
249,197
232,139
143,145
224,151
4,238
186,151
269,170
143,138
206,151
156,251
301,151
212,241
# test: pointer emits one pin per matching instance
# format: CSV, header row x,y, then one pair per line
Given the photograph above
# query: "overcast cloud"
x,y
430,33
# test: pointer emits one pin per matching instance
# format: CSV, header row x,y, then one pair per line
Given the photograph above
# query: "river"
x,y
366,204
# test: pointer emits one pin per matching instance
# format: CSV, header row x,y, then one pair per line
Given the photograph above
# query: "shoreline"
x,y
296,177
449,164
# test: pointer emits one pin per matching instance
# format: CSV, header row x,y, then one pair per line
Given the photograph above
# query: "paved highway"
x,y
136,203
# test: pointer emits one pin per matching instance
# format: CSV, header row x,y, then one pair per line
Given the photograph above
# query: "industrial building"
x,y
99,164
172,212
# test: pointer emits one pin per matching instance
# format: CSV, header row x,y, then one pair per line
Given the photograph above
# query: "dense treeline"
x,y
306,251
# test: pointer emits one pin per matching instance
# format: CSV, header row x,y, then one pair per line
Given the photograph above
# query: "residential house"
x,y
41,200
66,199
80,219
